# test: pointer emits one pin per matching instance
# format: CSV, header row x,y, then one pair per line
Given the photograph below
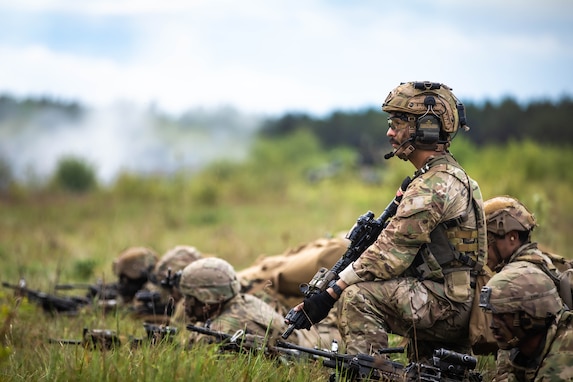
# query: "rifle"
x,y
93,339
48,302
104,339
98,290
159,333
171,280
362,235
356,367
448,366
245,342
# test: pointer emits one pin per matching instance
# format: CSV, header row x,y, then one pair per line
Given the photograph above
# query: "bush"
x,y
75,174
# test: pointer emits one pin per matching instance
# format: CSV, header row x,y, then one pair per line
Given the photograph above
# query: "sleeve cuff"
x,y
349,276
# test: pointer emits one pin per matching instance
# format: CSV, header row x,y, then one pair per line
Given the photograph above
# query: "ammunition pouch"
x,y
449,257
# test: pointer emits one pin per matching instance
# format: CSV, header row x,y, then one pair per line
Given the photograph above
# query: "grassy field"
x,y
237,212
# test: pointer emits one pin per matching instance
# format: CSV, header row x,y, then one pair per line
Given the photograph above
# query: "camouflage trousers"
x,y
416,310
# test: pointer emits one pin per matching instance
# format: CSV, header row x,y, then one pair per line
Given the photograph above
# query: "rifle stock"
x,y
362,235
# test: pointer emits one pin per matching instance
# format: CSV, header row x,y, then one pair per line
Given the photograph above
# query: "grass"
x,y
50,237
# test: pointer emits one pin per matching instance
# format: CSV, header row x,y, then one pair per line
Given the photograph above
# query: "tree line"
x,y
490,124
499,123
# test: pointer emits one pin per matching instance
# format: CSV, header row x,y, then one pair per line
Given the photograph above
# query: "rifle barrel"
x,y
64,342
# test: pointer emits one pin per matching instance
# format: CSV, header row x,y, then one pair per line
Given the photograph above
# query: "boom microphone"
x,y
393,152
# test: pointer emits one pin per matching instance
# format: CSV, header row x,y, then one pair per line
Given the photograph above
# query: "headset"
x,y
428,126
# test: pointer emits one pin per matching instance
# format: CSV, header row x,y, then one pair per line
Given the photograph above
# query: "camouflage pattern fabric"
x,y
530,253
276,280
175,260
285,272
244,312
404,306
388,295
505,214
555,362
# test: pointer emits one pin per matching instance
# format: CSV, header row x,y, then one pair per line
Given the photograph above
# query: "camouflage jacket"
x,y
436,195
554,362
244,312
530,253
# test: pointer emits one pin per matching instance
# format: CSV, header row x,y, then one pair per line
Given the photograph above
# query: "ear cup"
x,y
428,130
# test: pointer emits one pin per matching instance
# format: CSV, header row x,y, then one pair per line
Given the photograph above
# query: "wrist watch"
x,y
337,290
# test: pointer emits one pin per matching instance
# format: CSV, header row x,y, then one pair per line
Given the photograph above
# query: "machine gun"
x,y
99,290
360,365
104,339
356,367
48,302
362,235
448,366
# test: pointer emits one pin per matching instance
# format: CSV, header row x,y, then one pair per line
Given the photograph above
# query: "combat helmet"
x,y
135,263
210,280
433,112
505,214
521,289
175,260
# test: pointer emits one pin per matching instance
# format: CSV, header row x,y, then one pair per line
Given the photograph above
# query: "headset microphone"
x,y
393,152
390,154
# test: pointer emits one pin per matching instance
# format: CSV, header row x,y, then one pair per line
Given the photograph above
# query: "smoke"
x,y
124,138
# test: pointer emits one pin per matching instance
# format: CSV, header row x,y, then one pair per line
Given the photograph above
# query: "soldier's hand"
x,y
316,307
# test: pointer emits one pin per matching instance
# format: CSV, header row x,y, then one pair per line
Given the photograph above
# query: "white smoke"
x,y
124,138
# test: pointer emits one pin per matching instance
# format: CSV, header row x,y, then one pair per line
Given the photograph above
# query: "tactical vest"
x,y
452,248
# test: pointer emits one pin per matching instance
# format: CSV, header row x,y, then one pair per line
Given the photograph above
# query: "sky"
x,y
277,56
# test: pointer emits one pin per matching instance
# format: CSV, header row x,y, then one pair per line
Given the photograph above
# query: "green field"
x,y
236,211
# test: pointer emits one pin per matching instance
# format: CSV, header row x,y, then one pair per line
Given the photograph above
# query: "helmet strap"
x,y
407,147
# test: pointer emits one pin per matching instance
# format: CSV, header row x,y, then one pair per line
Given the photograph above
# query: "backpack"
x,y
482,340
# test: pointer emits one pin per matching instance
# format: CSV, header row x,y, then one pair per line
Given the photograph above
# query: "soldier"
x,y
509,229
133,268
160,298
530,325
212,296
415,280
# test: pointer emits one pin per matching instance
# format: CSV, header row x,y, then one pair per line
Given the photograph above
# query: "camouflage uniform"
x,y
167,304
244,312
399,286
211,285
505,214
530,296
415,280
276,280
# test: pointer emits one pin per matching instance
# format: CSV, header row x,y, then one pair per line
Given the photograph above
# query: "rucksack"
x,y
482,340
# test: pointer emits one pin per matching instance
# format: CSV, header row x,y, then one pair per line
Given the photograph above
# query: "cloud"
x,y
272,57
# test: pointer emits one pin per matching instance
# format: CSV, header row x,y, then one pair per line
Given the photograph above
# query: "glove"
x,y
316,308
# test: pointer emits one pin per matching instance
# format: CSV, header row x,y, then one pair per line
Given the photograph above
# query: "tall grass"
x,y
236,211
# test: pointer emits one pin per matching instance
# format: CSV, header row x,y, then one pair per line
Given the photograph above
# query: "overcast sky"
x,y
272,56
